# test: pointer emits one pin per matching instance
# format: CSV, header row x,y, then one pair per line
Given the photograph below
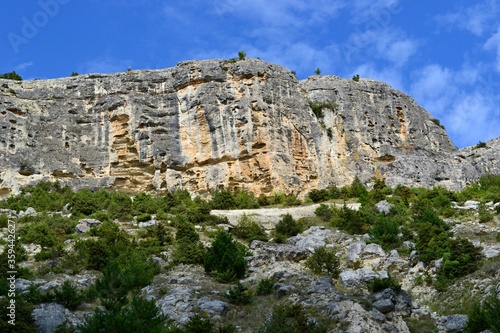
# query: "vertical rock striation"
x,y
204,125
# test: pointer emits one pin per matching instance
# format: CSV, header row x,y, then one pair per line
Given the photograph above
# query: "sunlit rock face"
x,y
204,125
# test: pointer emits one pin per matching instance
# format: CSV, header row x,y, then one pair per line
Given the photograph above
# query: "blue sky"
x,y
445,54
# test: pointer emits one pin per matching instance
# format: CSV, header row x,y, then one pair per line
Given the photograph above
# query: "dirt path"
x,y
268,217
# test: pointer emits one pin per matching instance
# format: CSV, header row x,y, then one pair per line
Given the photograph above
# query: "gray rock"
x,y
377,315
178,304
213,307
454,323
83,138
280,252
30,211
335,312
373,250
22,285
51,285
84,225
471,204
146,224
312,238
404,304
323,284
384,305
354,251
49,316
384,207
283,290
359,277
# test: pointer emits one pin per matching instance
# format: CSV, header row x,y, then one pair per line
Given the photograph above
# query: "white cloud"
x,y
476,19
462,99
389,75
105,65
387,44
493,43
374,12
23,66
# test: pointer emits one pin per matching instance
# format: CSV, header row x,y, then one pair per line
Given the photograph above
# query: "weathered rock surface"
x,y
209,124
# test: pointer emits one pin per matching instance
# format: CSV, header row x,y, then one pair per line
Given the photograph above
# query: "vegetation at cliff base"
x,y
130,242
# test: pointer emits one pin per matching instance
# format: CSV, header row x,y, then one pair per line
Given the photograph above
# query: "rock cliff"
x,y
210,124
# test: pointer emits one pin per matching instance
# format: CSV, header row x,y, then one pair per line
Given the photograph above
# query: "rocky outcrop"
x,y
204,125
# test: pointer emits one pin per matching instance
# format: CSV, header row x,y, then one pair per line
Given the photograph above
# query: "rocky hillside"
x,y
213,124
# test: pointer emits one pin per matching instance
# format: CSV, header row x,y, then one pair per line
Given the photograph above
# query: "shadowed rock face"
x,y
211,124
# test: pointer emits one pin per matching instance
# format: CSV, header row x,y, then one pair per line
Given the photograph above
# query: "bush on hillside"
x,y
225,259
249,230
287,227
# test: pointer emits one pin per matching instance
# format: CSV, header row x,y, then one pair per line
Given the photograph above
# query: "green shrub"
x,y
24,321
324,261
84,203
123,275
378,284
188,249
249,230
239,295
484,214
385,231
223,199
139,315
265,287
357,189
4,221
484,317
112,243
463,258
38,233
291,319
287,227
246,200
348,220
144,217
242,55
319,195
225,258
201,324
11,76
355,78
145,204
480,145
69,296
324,212
421,325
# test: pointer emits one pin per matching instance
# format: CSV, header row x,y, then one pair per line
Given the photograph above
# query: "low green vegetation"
x,y
183,232
11,76
324,261
287,227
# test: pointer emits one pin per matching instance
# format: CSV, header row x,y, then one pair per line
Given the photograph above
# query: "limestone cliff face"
x,y
218,124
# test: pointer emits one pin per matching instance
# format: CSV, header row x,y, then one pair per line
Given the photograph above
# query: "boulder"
x,y
384,305
384,207
147,224
280,252
213,307
360,277
48,316
84,225
453,323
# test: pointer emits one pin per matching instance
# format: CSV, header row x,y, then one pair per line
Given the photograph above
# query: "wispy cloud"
x,y
493,43
476,19
460,100
23,66
377,12
105,65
